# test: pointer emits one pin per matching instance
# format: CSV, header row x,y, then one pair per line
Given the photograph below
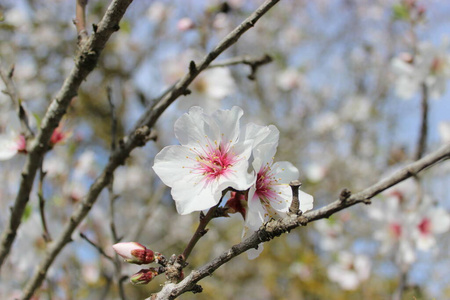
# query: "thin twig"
x,y
113,120
138,137
149,208
11,91
275,228
401,286
42,201
201,231
80,21
423,134
113,198
99,249
253,62
85,62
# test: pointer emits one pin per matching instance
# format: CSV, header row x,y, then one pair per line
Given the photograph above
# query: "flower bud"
x,y
144,276
57,136
134,253
237,204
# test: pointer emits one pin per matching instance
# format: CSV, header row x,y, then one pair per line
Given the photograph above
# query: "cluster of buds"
x,y
136,253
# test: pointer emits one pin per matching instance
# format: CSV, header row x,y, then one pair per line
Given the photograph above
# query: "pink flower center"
x,y
396,229
264,183
214,161
425,226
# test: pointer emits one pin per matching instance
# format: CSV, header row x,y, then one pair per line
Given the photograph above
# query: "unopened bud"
x,y
134,253
57,136
144,276
237,204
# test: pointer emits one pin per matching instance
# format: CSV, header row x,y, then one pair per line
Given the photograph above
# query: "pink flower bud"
x,y
134,253
185,24
144,276
237,204
57,136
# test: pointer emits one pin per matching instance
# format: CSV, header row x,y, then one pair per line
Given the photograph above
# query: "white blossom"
x,y
211,158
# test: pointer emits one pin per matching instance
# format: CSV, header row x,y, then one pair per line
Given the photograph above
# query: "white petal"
x,y
191,128
254,253
191,196
256,213
440,220
8,147
262,155
285,171
228,121
306,201
261,134
172,164
283,199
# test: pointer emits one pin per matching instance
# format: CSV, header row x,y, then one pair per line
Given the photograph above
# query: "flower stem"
x,y
201,231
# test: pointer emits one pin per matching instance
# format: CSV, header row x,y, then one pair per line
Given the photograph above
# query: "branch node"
x,y
295,204
186,92
197,289
302,220
345,194
11,72
192,68
116,27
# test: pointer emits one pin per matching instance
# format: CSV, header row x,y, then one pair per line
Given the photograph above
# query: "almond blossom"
x,y
11,144
211,158
350,270
409,224
271,195
431,66
429,221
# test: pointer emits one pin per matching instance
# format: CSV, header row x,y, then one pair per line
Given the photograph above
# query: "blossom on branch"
x,y
211,158
430,67
350,270
271,195
11,144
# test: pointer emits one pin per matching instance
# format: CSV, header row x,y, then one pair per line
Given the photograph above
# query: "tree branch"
x,y
140,134
152,114
80,21
11,91
253,62
85,62
275,228
423,134
201,231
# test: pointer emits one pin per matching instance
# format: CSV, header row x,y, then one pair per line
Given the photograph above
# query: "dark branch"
x,y
275,228
140,134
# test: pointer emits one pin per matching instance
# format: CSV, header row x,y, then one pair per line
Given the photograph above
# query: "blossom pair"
x,y
215,155
12,143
